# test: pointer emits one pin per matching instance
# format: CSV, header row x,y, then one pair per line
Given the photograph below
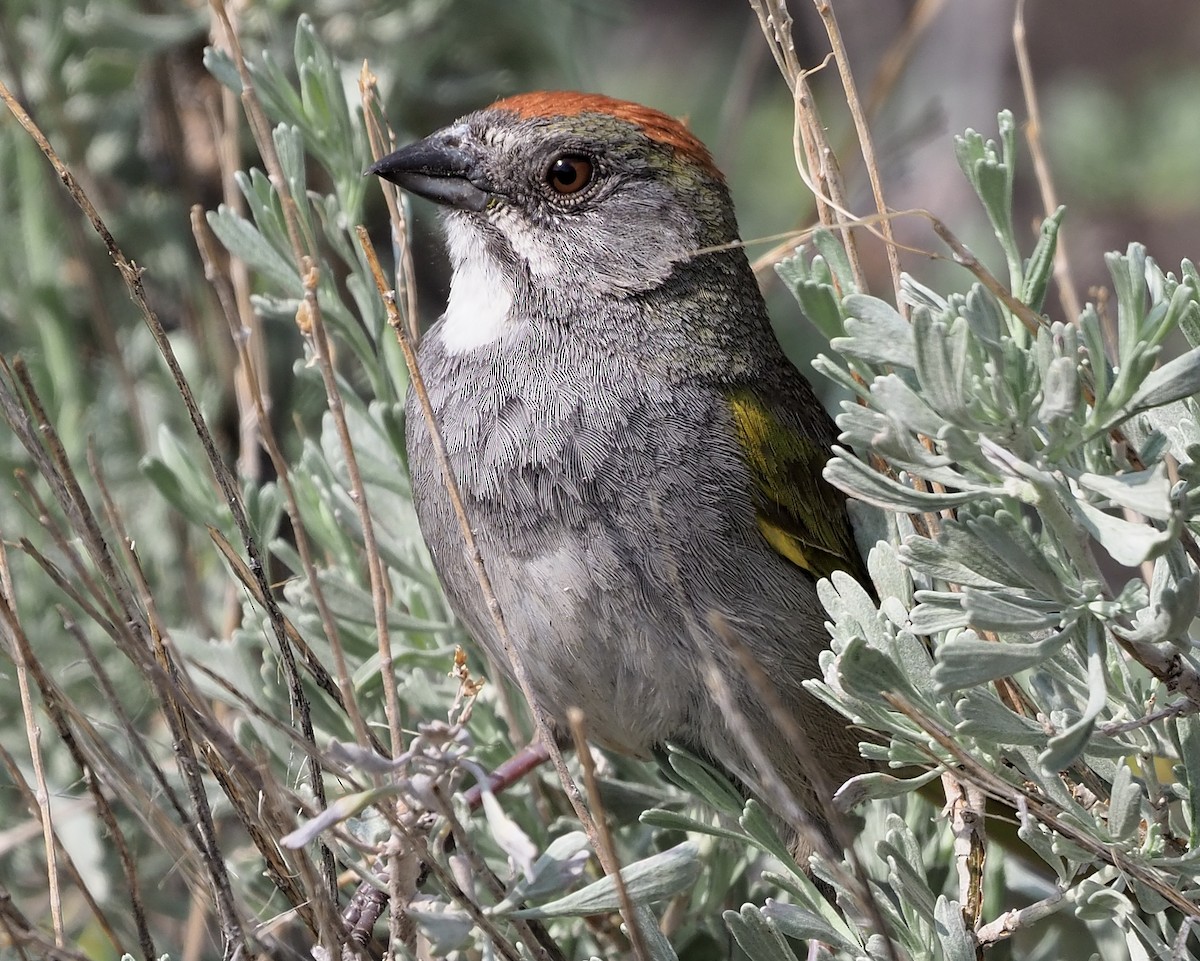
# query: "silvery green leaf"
x,y
289,145
1181,306
818,304
1147,492
903,841
1009,610
891,579
704,781
931,558
224,70
1092,331
1041,842
1025,759
651,879
1127,542
1102,904
876,333
351,603
1189,742
956,943
899,848
1009,549
1060,390
1128,272
965,659
448,929
338,811
560,866
801,890
244,241
916,294
983,716
1064,749
757,936
512,840
673,821
762,829
982,314
658,948
1169,615
1172,381
1189,323
1040,265
358,758
896,442
1149,900
984,166
876,785
181,483
838,374
1125,805
834,255
909,651
855,478
1008,463
937,611
942,353
892,394
1178,423
867,672
853,599
799,922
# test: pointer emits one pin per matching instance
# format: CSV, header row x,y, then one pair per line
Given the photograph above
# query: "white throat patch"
x,y
481,296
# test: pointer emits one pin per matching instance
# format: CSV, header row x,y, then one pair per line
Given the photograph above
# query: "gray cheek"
x,y
629,245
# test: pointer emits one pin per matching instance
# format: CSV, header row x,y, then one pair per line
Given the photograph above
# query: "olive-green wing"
x,y
802,517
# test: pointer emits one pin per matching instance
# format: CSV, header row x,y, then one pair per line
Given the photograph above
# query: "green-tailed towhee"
x,y
640,463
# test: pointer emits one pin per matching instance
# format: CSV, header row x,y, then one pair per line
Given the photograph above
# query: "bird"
x,y
640,463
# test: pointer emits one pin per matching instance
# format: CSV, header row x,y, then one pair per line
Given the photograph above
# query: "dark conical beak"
x,y
439,169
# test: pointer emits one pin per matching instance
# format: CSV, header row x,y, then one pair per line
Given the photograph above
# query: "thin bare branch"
x,y
18,645
1038,807
637,940
1041,167
866,144
965,811
1010,922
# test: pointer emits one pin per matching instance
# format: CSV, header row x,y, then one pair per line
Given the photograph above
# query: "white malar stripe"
x,y
536,253
481,296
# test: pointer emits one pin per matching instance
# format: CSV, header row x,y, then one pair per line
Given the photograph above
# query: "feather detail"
x,y
800,515
655,124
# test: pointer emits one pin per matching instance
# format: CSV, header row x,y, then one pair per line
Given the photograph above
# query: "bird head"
x,y
575,196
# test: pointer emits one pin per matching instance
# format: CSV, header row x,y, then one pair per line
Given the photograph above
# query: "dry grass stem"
x,y
815,159
75,505
1010,922
576,722
18,645
382,142
866,144
225,287
1067,295
310,321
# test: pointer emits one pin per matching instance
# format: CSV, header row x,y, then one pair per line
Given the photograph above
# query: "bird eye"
x,y
569,173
